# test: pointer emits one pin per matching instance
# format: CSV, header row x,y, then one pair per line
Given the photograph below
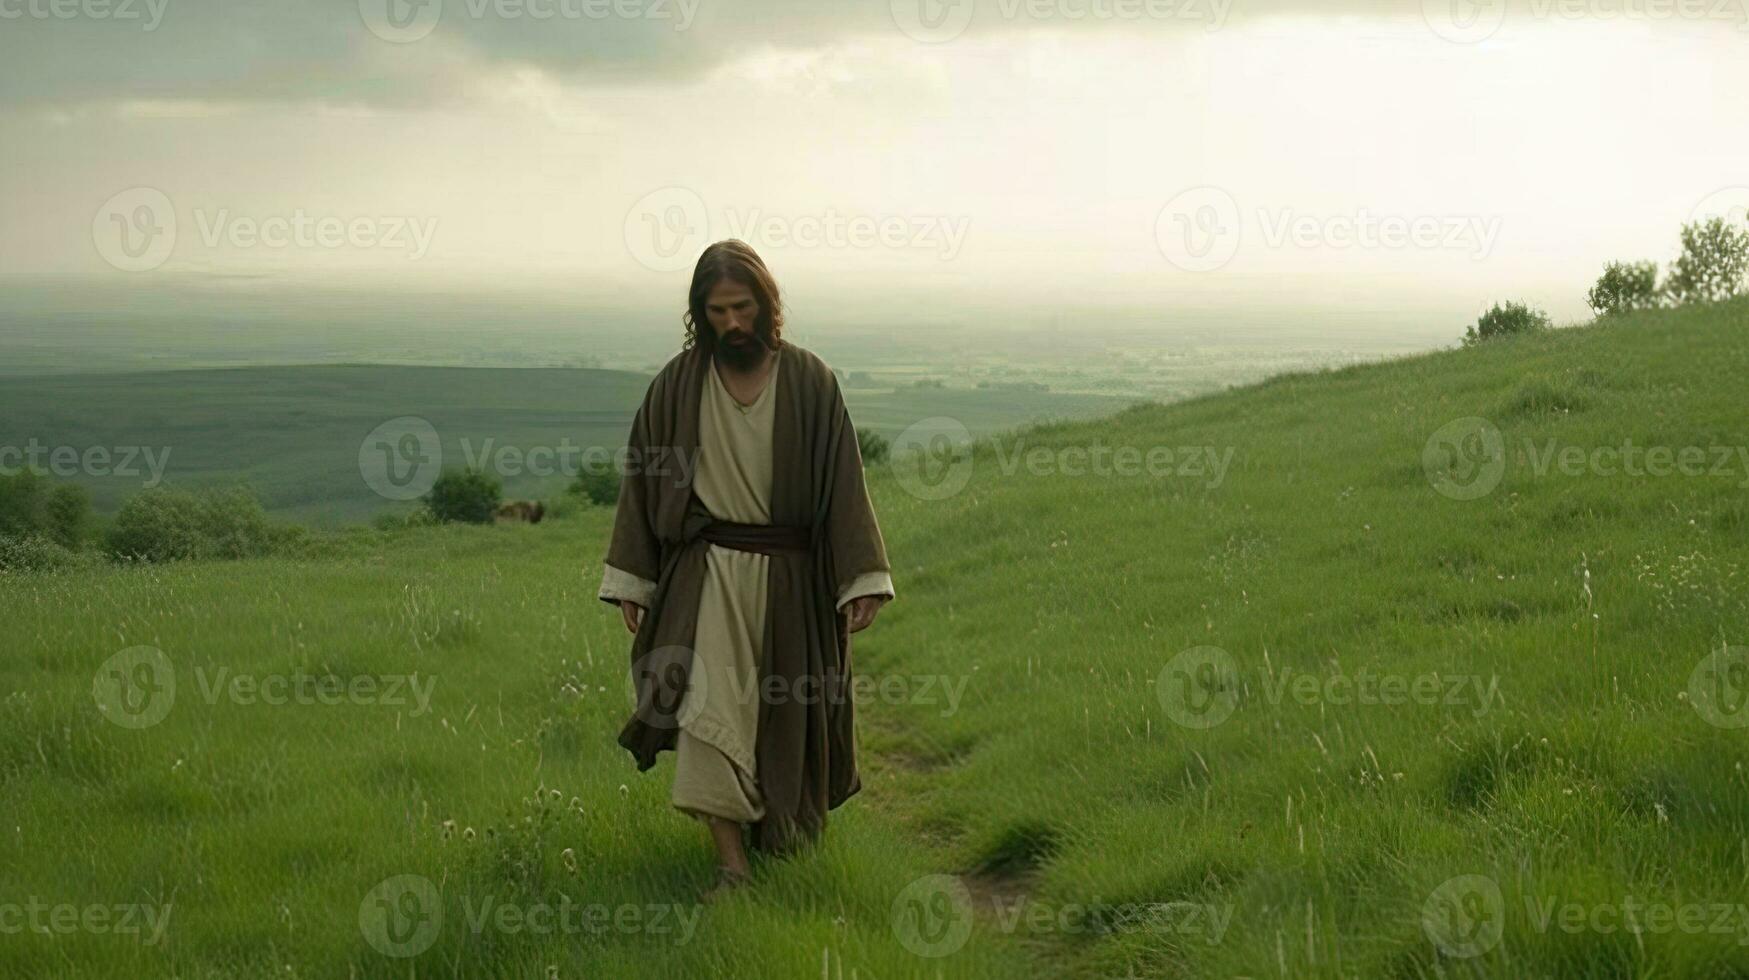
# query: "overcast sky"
x,y
1206,151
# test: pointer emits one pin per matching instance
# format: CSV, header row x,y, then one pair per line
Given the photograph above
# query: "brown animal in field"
x,y
522,510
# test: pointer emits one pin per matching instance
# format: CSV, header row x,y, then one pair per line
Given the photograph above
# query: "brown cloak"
x,y
823,536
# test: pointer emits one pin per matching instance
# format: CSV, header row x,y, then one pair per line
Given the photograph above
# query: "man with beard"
x,y
744,553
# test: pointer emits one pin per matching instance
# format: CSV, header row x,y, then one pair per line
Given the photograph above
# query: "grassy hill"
x,y
1384,697
294,433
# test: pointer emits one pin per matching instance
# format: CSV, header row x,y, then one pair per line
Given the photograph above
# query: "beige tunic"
x,y
714,771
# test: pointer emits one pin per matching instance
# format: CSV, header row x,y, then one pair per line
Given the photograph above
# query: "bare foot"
x,y
728,880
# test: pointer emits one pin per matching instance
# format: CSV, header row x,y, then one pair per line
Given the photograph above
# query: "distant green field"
x,y
295,433
1390,692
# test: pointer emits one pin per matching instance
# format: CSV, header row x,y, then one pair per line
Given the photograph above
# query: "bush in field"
x,y
390,521
1505,320
1625,287
1714,260
35,553
596,485
164,524
467,496
32,505
875,447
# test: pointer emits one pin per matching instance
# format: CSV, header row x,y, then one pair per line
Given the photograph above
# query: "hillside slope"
x,y
1557,622
1307,711
301,436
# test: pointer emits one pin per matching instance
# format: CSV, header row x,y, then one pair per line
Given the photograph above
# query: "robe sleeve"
x,y
859,553
868,583
634,553
617,584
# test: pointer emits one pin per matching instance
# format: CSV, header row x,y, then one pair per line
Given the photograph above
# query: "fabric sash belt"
x,y
764,539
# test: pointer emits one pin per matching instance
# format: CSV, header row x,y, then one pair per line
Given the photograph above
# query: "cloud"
x,y
410,52
61,54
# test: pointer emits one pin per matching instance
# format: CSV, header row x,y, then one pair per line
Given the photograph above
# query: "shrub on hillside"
x,y
874,446
33,506
563,507
35,553
1625,287
165,524
392,521
469,496
596,485
1505,320
1714,260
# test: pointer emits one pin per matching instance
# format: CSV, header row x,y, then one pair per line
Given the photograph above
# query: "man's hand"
x,y
633,613
862,609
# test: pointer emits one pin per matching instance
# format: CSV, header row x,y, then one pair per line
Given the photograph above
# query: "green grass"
x,y
1308,832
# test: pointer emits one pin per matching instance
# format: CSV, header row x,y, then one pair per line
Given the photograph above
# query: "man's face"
x,y
734,315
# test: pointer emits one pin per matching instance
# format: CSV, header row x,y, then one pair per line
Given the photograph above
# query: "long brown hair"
x,y
734,260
